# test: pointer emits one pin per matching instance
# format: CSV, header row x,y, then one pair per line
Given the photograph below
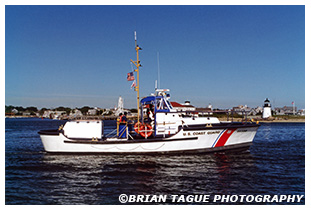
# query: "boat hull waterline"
x,y
185,141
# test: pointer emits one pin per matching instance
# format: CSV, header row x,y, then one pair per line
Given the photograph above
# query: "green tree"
x,y
32,109
99,112
85,109
42,110
62,108
20,109
8,109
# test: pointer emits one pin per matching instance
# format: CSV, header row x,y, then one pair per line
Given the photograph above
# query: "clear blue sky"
x,y
224,55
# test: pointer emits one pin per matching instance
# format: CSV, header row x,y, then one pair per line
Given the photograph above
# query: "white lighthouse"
x,y
119,109
266,109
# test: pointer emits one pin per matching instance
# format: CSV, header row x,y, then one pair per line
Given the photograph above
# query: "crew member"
x,y
120,117
124,119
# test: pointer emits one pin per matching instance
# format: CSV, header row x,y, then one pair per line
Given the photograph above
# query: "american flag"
x,y
133,84
130,76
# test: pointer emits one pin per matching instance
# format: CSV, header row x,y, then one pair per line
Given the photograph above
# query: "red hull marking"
x,y
224,138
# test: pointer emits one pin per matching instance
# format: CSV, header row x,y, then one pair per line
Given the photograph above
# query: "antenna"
x,y
135,39
132,66
158,68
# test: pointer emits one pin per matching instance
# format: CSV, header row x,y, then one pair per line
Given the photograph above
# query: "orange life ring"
x,y
145,130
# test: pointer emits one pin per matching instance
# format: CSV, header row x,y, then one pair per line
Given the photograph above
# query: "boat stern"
x,y
51,140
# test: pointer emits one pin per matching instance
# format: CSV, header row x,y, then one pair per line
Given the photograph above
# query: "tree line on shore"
x,y
19,110
32,110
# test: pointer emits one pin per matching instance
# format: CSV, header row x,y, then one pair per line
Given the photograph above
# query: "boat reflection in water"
x,y
97,179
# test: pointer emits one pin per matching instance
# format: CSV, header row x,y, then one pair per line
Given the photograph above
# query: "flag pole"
x,y
137,64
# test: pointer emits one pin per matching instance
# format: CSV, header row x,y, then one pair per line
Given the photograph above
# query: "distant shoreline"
x,y
302,120
285,121
291,120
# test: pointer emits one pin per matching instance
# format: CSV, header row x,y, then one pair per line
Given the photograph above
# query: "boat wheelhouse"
x,y
163,117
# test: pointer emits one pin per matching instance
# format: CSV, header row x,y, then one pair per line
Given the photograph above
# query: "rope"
x,y
130,136
123,131
112,132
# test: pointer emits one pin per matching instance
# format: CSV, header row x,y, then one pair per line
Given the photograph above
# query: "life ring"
x,y
137,126
145,130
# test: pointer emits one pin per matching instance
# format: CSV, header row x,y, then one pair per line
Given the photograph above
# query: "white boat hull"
x,y
193,140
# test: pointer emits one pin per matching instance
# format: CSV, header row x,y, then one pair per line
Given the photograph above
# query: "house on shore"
x,y
286,110
183,107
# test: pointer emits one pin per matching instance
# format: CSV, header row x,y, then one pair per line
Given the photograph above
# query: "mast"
x,y
137,64
158,71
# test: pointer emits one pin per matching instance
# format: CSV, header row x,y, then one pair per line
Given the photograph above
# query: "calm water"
x,y
275,164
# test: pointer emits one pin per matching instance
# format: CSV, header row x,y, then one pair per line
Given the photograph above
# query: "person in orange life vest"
x,y
120,117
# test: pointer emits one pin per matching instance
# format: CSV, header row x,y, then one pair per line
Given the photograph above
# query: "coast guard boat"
x,y
159,128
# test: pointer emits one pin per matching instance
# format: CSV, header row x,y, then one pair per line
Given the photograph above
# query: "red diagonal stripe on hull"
x,y
224,137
